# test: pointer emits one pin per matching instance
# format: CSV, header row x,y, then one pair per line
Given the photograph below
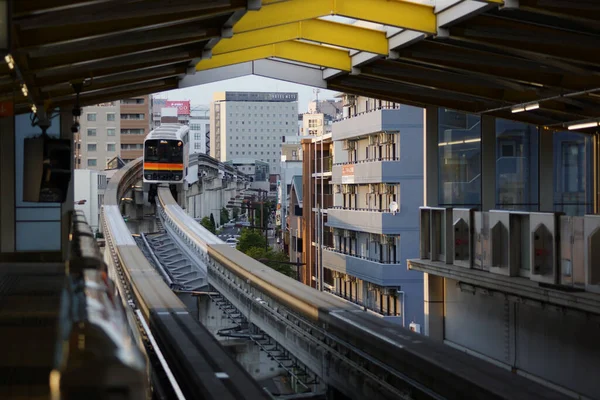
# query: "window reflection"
x,y
459,141
517,146
573,173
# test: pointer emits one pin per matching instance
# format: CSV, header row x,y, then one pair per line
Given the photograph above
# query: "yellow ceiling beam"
x,y
396,13
316,30
294,51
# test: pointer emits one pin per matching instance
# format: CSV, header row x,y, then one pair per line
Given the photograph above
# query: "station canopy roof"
x,y
530,60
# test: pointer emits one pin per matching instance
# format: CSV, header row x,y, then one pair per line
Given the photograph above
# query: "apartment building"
x,y
252,125
135,117
509,246
98,139
293,243
199,129
377,180
317,198
291,166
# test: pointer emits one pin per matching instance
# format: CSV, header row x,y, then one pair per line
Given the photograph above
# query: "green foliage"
x,y
236,212
224,215
265,208
208,224
274,259
250,238
212,220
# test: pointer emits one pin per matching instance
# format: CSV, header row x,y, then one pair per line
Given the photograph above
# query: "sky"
x,y
202,94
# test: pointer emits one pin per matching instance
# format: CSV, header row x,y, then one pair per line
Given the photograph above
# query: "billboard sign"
x,y
183,107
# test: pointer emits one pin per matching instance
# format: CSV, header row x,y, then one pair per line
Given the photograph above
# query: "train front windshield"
x,y
164,151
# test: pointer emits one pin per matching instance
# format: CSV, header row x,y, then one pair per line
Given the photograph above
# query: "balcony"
x,y
365,220
363,268
325,166
368,123
369,171
327,201
541,258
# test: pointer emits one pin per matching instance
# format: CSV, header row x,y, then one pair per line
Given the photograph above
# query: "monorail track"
x,y
369,355
363,355
198,366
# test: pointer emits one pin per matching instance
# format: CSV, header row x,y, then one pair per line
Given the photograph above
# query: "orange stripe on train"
x,y
163,166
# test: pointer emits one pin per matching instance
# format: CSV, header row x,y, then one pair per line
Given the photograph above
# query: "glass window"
x,y
91,162
110,116
459,150
517,147
110,147
573,175
91,132
110,132
91,147
91,116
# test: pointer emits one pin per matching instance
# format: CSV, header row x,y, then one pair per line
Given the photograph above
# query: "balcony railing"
x,y
327,165
369,111
370,160
380,261
380,210
548,248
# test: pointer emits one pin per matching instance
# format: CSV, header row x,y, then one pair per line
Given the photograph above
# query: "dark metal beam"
x,y
125,79
121,10
455,57
79,32
584,11
115,65
24,8
119,93
94,56
524,40
111,71
448,83
366,87
177,32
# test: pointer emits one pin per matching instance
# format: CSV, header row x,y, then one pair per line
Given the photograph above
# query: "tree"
x,y
261,209
212,221
274,259
250,238
205,222
224,215
236,212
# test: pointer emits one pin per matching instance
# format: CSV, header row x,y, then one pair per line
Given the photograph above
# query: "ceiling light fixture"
x,y
24,90
524,107
10,61
532,106
583,125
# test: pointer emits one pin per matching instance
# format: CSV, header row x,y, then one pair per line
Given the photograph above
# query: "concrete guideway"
x,y
358,354
481,56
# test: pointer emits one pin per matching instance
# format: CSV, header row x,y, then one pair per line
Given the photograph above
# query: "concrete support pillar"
x,y
434,306
546,171
431,157
488,163
66,121
7,185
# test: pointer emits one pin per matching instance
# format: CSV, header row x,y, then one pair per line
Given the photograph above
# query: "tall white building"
x,y
199,128
88,192
252,125
98,139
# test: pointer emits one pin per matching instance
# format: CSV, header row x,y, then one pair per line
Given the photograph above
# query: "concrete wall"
x,y
546,344
86,188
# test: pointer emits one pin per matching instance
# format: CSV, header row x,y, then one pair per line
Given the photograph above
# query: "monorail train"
x,y
166,155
